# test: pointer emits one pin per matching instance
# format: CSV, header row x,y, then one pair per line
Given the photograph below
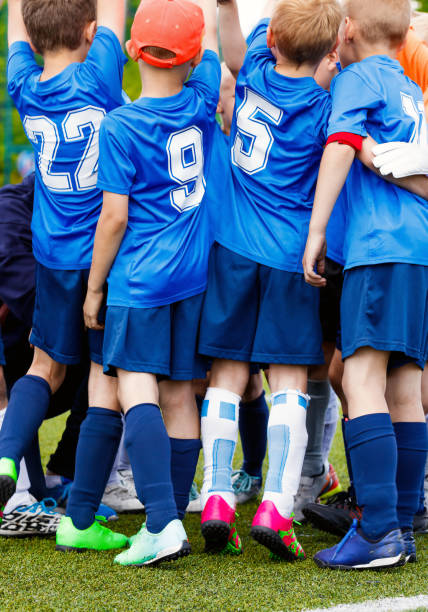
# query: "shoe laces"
x,y
243,482
64,492
352,531
46,506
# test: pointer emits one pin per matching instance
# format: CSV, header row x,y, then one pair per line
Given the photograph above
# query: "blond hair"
x,y
306,30
380,20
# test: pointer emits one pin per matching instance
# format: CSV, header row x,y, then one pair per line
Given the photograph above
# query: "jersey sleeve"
x,y
352,100
257,44
105,62
116,171
20,65
206,78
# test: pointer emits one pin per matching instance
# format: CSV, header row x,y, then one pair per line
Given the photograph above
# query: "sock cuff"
x,y
38,380
222,395
180,445
255,402
368,427
139,408
318,387
104,412
412,436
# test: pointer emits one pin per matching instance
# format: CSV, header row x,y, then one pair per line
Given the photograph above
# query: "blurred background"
x,y
16,158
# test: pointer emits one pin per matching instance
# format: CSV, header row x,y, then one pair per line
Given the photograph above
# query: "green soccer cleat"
x,y
8,478
95,537
153,548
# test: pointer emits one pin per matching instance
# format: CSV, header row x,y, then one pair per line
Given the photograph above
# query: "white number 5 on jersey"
x,y
254,138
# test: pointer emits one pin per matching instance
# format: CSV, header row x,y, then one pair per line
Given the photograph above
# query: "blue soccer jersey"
x,y
157,151
385,224
277,139
336,230
62,118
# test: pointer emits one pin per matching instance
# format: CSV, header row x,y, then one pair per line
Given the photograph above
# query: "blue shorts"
x,y
385,306
161,340
259,314
58,326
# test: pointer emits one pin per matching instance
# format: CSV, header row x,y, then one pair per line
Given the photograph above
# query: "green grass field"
x,y
33,575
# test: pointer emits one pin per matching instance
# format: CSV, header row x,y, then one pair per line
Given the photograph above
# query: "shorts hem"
x,y
140,368
58,357
158,303
261,357
379,345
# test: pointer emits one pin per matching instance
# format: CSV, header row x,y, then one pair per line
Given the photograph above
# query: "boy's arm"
x,y
232,40
16,30
335,165
209,8
268,9
108,237
112,15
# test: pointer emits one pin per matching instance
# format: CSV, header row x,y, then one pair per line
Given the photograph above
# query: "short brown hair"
x,y
380,20
57,24
306,30
159,53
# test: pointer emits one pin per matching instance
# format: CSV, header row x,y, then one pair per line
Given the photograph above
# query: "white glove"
x,y
401,159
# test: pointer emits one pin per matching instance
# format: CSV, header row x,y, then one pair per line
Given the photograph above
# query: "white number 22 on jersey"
x,y
253,156
417,112
186,167
43,129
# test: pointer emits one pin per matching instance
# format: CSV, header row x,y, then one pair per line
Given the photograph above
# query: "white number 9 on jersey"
x,y
186,167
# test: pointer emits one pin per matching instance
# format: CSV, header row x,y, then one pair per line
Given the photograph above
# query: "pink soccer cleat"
x,y
276,533
218,527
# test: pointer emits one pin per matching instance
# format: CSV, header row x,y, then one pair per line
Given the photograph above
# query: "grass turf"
x,y
34,575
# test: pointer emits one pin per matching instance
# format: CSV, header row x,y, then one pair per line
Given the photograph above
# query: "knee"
x,y
48,369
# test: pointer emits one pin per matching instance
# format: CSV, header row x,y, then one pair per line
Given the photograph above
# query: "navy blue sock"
x,y
373,450
253,421
345,421
34,467
149,452
28,406
99,439
184,459
199,401
412,450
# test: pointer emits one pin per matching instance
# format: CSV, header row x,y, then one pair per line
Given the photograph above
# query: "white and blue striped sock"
x,y
219,427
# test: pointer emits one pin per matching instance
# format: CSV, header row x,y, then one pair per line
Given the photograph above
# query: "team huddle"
x,y
184,257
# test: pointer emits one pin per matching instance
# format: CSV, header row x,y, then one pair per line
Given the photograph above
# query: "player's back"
x,y
62,118
277,139
385,223
158,151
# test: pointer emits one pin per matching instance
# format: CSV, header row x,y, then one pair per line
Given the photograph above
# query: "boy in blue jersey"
x,y
61,106
257,307
384,301
152,243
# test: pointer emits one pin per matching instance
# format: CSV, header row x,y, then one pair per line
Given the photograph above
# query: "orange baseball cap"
x,y
175,25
